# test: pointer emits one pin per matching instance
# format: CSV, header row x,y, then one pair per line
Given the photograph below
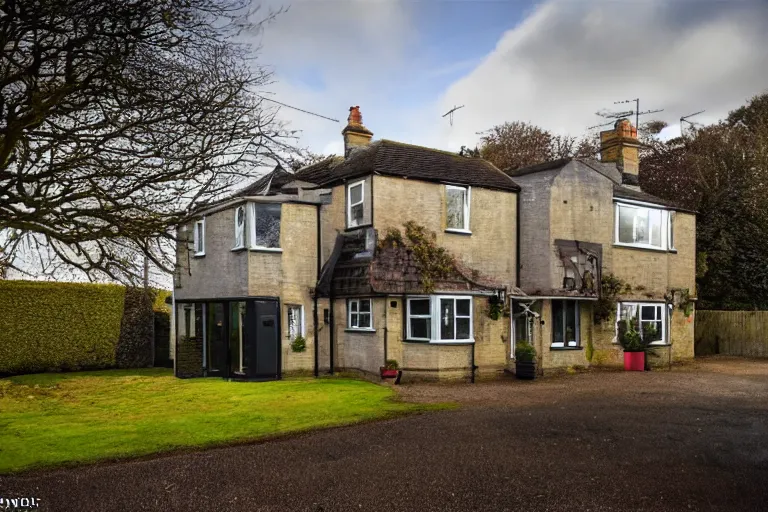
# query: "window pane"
x,y
652,331
648,312
419,307
355,194
215,338
353,305
571,322
446,319
671,230
654,220
353,320
626,224
365,321
462,329
294,321
267,225
240,226
365,305
421,328
237,336
558,329
356,215
462,307
628,311
642,235
455,202
521,328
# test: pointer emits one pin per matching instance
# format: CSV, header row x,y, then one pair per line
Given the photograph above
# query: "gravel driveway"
x,y
694,438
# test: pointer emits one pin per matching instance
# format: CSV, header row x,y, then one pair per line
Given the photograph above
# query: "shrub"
x,y
525,352
391,364
299,344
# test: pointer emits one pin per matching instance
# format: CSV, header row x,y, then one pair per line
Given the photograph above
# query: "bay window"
x,y
439,319
457,208
649,319
359,315
565,324
641,226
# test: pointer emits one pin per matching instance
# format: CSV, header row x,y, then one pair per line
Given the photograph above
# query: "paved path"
x,y
692,439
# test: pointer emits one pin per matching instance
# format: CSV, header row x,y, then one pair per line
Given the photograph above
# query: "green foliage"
x,y
391,364
525,352
299,344
159,303
134,348
630,338
65,326
610,288
496,308
84,417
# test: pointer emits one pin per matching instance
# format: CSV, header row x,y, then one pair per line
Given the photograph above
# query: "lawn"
x,y
55,419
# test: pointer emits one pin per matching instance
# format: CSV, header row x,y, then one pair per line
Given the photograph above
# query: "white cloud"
x,y
568,60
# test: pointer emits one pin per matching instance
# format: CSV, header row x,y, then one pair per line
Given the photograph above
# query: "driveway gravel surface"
x,y
693,438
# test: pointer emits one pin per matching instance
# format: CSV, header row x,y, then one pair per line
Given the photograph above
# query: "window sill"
x,y
361,226
639,247
651,346
439,342
458,231
369,331
238,249
551,348
265,249
199,254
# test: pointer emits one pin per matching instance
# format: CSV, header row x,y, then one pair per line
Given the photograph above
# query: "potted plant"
x,y
389,371
299,344
525,360
634,347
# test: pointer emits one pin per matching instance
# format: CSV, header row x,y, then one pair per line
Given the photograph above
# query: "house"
x,y
307,254
585,222
438,261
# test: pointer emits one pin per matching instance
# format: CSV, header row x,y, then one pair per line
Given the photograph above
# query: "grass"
x,y
67,418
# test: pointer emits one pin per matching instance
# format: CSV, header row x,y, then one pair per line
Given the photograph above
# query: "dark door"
x,y
265,358
216,339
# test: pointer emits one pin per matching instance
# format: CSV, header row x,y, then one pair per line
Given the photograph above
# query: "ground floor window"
x,y
565,323
647,317
523,316
295,321
359,314
439,318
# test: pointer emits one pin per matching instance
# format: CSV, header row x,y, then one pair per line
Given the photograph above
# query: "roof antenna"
x,y
637,110
684,119
450,113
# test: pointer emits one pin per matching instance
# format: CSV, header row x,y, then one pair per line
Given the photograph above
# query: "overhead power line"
x,y
299,109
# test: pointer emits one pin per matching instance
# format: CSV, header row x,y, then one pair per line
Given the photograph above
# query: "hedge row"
x,y
71,326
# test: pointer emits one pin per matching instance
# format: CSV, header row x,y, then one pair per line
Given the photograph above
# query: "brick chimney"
x,y
355,134
620,145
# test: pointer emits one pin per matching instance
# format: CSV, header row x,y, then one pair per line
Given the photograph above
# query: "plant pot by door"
x,y
634,361
388,374
525,369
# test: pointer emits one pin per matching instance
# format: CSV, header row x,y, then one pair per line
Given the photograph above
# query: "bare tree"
x,y
116,119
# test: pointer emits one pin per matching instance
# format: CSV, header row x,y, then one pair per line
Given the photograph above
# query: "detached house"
x,y
438,261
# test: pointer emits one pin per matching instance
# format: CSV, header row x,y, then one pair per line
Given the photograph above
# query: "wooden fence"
x,y
734,333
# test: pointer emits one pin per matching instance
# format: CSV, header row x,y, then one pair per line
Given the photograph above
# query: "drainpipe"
x,y
332,326
517,240
473,364
314,299
386,323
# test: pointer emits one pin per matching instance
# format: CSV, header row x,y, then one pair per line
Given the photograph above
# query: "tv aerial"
x,y
684,119
450,113
624,113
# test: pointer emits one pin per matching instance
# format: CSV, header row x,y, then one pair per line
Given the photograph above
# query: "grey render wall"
x,y
221,272
535,248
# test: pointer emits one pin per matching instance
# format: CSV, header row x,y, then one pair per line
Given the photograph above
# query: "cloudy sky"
x,y
552,63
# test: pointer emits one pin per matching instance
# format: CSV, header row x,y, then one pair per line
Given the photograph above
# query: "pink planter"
x,y
634,361
388,374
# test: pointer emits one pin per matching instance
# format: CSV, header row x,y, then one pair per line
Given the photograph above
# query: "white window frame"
x,y
467,201
302,328
252,229
671,231
565,343
357,312
663,228
434,309
198,237
361,184
240,230
638,305
409,316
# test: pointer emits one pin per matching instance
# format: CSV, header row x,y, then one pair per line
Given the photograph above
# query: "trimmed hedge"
x,y
48,326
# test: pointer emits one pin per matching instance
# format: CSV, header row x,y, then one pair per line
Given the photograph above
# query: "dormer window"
x,y
199,238
355,204
457,208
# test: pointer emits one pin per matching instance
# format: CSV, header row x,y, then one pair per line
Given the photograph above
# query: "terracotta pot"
x,y
634,361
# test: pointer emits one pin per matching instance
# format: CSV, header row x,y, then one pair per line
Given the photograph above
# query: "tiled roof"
x,y
268,184
391,158
638,195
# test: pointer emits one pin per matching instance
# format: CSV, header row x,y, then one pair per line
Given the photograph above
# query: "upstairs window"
x,y
640,226
355,204
239,227
439,319
359,314
265,225
457,202
199,238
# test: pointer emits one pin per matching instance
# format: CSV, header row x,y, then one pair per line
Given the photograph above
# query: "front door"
x,y
267,328
216,339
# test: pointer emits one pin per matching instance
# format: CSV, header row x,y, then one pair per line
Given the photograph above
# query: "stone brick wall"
x,y
490,249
